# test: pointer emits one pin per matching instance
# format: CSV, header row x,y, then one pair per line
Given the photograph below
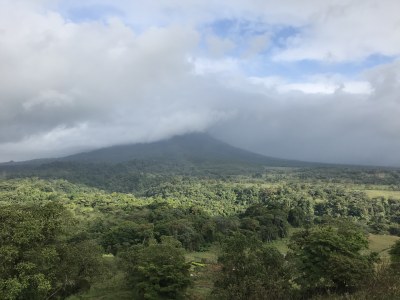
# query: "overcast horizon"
x,y
305,80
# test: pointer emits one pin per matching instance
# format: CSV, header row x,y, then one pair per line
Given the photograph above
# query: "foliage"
x,y
251,271
38,260
331,259
268,224
157,271
57,227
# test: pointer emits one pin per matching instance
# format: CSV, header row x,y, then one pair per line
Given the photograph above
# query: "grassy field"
x,y
209,257
381,243
383,193
98,292
109,289
111,286
202,272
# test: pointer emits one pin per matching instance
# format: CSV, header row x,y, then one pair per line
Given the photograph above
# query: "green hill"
x,y
196,148
137,167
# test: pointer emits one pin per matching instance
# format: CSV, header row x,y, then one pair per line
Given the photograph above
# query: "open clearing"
x,y
381,243
383,193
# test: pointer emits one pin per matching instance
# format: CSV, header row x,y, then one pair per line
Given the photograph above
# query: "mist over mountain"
x,y
195,148
138,167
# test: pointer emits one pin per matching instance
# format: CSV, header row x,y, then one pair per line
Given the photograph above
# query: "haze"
x,y
307,80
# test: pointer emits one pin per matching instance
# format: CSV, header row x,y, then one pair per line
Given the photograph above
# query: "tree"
x,y
331,259
126,234
183,231
271,224
38,261
296,217
251,271
158,271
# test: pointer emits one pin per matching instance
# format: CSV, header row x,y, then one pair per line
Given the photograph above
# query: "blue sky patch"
x,y
282,34
298,70
90,13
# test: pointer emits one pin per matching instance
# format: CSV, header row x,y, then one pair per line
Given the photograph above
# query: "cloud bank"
x,y
303,80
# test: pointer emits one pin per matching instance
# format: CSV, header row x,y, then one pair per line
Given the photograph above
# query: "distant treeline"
x,y
139,176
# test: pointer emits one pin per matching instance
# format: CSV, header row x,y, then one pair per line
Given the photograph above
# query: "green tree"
x,y
331,259
37,260
126,234
271,223
251,271
158,271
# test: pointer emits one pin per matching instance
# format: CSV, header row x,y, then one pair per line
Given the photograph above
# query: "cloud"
x,y
62,79
218,47
328,126
345,31
257,44
335,30
122,75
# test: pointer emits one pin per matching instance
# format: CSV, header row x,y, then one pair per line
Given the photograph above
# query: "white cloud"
x,y
204,66
309,88
357,87
335,30
348,30
317,84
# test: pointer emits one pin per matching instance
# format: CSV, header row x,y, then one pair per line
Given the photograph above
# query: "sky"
x,y
300,79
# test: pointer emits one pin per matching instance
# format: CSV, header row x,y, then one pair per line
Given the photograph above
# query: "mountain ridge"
x,y
194,148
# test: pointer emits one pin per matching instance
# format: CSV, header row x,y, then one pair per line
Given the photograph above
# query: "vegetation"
x,y
329,259
157,271
250,270
281,233
40,257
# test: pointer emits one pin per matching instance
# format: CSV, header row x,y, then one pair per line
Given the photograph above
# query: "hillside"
x,y
195,148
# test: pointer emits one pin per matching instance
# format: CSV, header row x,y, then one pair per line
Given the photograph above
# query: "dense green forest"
x,y
283,233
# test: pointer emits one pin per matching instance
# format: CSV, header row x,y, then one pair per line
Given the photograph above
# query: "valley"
x,y
209,213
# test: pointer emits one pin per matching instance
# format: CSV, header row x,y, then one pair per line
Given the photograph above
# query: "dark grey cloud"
x,y
337,127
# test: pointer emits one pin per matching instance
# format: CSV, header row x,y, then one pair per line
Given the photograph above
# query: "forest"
x,y
280,233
